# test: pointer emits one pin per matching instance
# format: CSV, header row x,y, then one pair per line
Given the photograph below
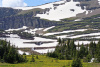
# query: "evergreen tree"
x,y
88,57
92,48
82,51
9,53
59,41
98,52
76,62
78,46
86,50
72,48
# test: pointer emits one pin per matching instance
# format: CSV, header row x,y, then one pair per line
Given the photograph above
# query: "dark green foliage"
x,y
64,51
82,51
25,35
72,48
76,63
92,48
59,41
67,50
37,57
98,52
9,53
32,59
87,58
24,53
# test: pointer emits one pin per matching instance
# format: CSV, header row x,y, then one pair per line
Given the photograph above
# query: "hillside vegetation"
x,y
44,61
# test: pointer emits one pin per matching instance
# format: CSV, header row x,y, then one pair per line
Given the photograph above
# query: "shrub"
x,y
32,60
87,58
76,63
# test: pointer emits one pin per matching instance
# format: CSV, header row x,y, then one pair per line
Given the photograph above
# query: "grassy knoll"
x,y
44,61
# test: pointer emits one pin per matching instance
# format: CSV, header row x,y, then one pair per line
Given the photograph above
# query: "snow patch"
x,y
24,27
98,37
83,35
45,50
33,31
46,29
92,60
99,2
19,42
68,31
63,11
78,20
21,52
87,12
84,42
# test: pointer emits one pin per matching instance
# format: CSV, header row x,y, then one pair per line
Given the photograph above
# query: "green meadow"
x,y
44,61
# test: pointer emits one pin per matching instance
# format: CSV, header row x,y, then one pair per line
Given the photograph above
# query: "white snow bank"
x,y
99,2
84,42
24,27
19,42
78,20
92,60
62,36
87,12
46,29
13,36
98,37
64,10
67,10
21,52
45,50
68,31
33,31
83,35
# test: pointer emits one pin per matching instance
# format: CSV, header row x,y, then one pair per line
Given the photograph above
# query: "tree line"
x,y
67,50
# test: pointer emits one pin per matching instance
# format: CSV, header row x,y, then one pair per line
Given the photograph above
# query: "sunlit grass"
x,y
44,61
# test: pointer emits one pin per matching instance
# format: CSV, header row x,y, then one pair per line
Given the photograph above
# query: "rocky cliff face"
x,y
12,18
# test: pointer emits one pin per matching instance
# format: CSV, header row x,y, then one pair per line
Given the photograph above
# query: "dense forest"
x,y
71,51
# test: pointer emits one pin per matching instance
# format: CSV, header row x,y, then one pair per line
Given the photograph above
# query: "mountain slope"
x,y
48,14
66,9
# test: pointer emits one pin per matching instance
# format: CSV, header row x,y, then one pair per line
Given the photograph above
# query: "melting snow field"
x,y
47,34
69,9
63,10
15,40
